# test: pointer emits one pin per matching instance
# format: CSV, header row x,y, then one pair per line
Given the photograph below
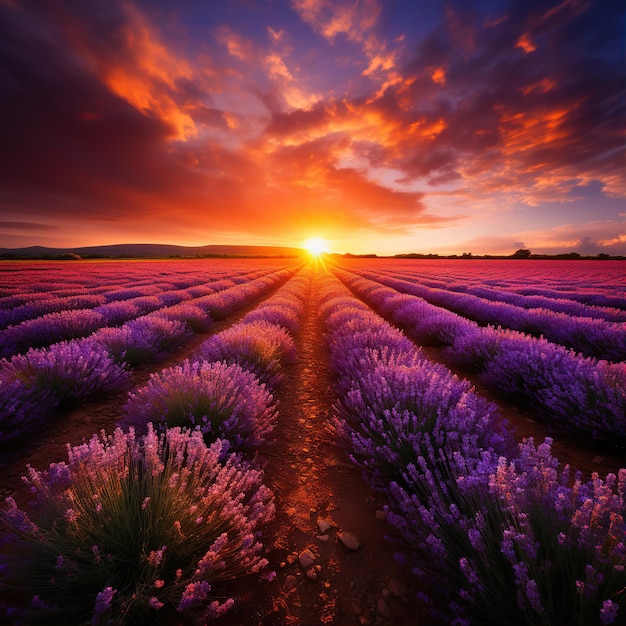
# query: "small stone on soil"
x,y
323,525
311,574
290,582
396,588
306,558
349,540
382,609
381,514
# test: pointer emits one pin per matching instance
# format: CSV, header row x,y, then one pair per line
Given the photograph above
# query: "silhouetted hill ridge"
x,y
150,250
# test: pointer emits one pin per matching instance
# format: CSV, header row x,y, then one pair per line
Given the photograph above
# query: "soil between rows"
x,y
314,482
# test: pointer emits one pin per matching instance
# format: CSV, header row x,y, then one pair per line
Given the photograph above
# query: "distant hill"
x,y
150,250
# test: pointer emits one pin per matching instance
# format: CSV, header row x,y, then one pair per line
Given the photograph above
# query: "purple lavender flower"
x,y
608,612
101,558
74,371
259,347
24,407
222,400
147,338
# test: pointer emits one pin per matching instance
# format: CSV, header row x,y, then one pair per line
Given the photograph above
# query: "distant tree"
x,y
69,256
522,253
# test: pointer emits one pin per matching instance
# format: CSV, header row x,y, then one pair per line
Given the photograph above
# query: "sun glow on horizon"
x,y
316,246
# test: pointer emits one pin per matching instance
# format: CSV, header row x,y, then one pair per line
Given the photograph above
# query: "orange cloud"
x,y
439,76
275,35
237,46
526,43
277,67
149,77
543,86
331,17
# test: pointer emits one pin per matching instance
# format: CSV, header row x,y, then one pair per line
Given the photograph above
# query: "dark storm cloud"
x,y
540,92
64,132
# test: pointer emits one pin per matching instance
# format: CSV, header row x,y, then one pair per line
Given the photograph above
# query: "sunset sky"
x,y
382,126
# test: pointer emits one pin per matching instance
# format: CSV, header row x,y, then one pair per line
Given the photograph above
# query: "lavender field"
x,y
481,402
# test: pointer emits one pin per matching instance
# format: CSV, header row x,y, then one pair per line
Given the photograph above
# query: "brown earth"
x,y
314,486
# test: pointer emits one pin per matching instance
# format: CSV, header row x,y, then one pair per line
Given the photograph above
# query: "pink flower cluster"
x,y
131,524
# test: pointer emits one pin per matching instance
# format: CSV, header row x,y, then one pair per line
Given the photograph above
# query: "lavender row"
x,y
557,303
595,283
226,389
37,385
17,309
576,393
393,401
144,298
494,535
19,283
136,341
74,324
592,337
590,299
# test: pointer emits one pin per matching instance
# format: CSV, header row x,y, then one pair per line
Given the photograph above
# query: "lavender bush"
x,y
172,296
518,543
48,329
223,401
72,371
285,314
259,347
394,413
191,314
132,528
148,338
23,407
118,312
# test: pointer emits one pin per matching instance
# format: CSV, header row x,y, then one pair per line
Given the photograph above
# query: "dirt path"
x,y
315,486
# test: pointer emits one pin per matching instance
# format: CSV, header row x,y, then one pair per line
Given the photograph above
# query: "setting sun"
x,y
316,246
